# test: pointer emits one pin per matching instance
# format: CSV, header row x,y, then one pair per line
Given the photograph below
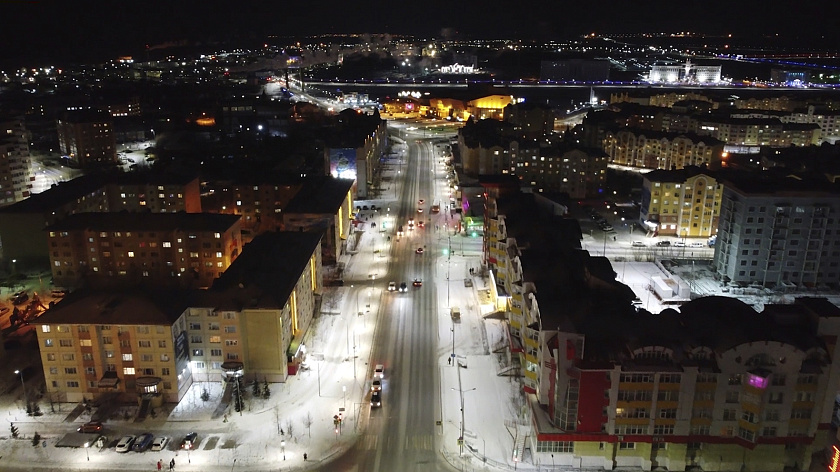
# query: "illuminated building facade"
x,y
87,138
682,203
15,175
660,150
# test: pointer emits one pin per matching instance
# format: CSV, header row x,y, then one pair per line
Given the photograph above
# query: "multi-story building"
x,y
22,224
827,120
682,203
138,192
669,391
171,249
491,106
659,150
87,138
150,346
778,232
354,149
15,173
580,172
530,119
759,132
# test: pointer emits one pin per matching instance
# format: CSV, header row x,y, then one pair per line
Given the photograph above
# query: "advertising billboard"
x,y
343,163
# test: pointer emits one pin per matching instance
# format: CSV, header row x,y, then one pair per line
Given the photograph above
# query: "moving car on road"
x,y
189,440
379,371
90,427
376,399
392,286
417,283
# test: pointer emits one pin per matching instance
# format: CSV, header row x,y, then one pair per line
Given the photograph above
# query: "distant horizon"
x,y
39,32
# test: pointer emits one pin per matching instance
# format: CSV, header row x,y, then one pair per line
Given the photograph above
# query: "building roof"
x,y
59,195
266,272
677,175
320,195
129,221
769,183
130,307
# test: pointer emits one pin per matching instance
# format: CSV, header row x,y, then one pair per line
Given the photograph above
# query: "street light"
x,y
461,437
25,399
283,447
87,450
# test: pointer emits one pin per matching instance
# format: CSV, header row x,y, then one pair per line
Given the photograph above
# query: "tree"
x,y
289,427
266,391
36,439
255,388
307,421
277,419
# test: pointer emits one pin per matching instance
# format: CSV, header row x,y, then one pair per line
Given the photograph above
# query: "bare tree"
x,y
307,421
277,419
290,428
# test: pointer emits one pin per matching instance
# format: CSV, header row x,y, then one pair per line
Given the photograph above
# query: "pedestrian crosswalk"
x,y
421,442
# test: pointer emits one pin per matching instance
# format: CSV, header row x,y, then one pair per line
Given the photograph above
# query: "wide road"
x,y
402,434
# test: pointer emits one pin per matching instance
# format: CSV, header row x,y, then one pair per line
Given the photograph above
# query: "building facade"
x,y
87,138
683,203
15,173
779,233
181,249
659,150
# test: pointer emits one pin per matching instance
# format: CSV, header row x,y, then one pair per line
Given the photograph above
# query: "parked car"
x,y
20,298
697,244
160,442
638,244
455,313
142,442
376,399
124,444
663,243
606,228
468,282
90,427
679,244
189,440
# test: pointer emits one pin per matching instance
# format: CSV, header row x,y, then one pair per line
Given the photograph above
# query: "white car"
x,y
379,371
638,244
124,445
159,444
392,286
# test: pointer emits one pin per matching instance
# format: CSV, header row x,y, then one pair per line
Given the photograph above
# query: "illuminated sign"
x,y
835,458
343,163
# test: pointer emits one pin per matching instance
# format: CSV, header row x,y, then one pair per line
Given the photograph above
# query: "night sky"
x,y
83,30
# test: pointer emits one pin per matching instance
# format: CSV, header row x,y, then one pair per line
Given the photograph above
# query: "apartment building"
x,y
170,249
683,203
660,150
255,316
87,138
581,172
126,343
149,346
15,173
780,232
22,224
669,391
760,132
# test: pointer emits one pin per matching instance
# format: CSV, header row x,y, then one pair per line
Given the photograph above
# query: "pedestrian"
x,y
449,360
305,457
160,464
614,238
172,464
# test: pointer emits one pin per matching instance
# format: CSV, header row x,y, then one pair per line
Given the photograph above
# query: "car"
x,y
58,293
663,243
697,244
421,201
679,244
376,399
160,442
455,313
379,371
90,427
189,440
606,228
373,207
392,286
419,210
421,224
468,282
403,287
411,221
638,244
124,444
19,299
142,442
419,250
417,283
376,385
365,207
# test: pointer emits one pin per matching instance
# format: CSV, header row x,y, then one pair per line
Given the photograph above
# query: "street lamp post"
x,y
283,447
87,450
25,398
344,394
461,391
